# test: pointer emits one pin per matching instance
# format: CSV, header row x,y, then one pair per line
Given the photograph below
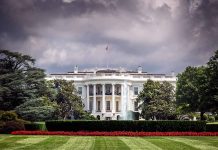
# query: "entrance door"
x,y
108,118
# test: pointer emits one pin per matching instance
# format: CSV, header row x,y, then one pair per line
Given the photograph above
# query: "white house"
x,y
110,93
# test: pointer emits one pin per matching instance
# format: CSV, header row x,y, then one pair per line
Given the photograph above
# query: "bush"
x,y
8,116
148,126
10,126
211,118
212,127
36,126
2,124
205,117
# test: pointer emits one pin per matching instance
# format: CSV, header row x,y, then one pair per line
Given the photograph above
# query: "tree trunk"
x,y
202,114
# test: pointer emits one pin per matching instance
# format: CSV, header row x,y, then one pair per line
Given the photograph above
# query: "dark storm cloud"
x,y
160,35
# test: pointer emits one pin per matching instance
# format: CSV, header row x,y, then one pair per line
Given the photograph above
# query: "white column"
x,y
87,97
128,98
103,98
113,99
94,99
122,92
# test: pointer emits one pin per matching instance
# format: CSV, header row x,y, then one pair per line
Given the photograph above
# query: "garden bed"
x,y
115,133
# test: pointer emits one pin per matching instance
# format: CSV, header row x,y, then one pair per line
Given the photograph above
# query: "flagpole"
x,y
107,56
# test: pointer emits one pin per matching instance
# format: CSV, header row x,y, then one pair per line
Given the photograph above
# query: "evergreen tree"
x,y
19,79
39,109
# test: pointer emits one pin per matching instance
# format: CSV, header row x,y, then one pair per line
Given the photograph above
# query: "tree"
x,y
39,109
167,97
212,74
19,79
69,102
192,89
156,100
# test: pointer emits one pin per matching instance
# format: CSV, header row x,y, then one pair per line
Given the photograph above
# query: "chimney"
x,y
139,69
76,69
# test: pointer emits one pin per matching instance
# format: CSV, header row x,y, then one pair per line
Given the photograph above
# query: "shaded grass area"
x,y
29,142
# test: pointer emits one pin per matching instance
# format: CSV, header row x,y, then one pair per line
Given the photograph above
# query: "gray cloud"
x,y
160,35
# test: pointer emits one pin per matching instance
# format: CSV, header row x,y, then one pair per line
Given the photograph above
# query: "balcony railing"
x,y
117,93
99,93
108,93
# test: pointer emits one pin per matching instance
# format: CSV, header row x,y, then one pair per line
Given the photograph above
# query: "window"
x,y
117,92
80,89
117,106
99,92
99,106
136,91
90,105
108,105
108,90
136,106
91,90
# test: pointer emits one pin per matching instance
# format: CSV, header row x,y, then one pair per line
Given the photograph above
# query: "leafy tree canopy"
x,y
157,100
212,74
197,87
70,103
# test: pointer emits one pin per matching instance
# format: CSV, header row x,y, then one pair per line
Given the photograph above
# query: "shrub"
x,y
148,126
10,126
36,126
212,127
205,117
211,118
8,116
2,124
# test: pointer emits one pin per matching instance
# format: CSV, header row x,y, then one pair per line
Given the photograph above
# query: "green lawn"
x,y
21,142
212,123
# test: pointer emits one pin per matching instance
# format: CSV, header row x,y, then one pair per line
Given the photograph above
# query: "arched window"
x,y
118,117
98,117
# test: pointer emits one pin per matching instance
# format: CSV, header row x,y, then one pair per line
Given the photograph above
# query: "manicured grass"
x,y
212,123
34,142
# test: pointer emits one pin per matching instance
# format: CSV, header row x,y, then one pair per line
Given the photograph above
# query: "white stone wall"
x,y
127,97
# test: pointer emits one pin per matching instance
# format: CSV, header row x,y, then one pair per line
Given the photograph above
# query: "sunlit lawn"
x,y
19,142
213,123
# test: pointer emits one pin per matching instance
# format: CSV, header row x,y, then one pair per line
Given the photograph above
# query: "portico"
x,y
104,98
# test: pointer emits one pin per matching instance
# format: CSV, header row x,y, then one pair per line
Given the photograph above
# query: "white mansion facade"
x,y
110,93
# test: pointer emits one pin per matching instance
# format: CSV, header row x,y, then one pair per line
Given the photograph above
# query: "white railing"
x,y
112,76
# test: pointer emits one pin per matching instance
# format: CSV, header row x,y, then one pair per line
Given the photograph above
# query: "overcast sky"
x,y
160,35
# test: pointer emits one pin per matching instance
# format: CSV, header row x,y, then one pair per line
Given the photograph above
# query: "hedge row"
x,y
147,126
212,127
36,126
114,133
